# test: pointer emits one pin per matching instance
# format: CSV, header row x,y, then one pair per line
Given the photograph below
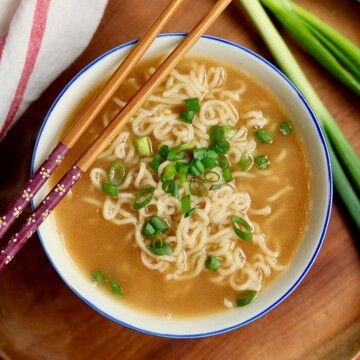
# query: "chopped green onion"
x,y
212,154
213,263
199,153
148,230
159,224
193,104
245,162
155,163
223,162
212,176
246,299
168,173
197,168
171,187
227,175
197,188
216,186
229,132
116,173
187,116
182,167
209,163
182,178
115,288
241,228
263,136
143,197
178,152
109,189
262,162
190,212
163,151
160,249
286,128
185,204
216,134
98,276
221,147
143,146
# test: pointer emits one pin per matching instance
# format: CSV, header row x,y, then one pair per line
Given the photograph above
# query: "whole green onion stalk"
x,y
329,47
335,137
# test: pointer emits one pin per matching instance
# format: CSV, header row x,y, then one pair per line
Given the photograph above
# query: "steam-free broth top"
x,y
207,266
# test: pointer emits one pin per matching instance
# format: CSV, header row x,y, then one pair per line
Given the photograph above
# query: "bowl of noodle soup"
x,y
230,173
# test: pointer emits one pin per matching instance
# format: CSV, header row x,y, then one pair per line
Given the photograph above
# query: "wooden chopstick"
x,y
107,135
34,184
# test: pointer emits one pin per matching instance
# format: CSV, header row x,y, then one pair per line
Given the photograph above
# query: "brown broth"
x,y
94,243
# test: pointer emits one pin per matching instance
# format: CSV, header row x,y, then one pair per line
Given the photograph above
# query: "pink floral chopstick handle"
x,y
39,215
32,187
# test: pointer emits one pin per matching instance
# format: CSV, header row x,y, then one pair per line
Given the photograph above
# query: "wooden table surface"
x,y
40,318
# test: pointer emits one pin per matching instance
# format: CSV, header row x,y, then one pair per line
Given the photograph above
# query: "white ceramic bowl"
x,y
306,124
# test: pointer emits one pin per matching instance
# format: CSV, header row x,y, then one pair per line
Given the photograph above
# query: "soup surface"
x,y
205,266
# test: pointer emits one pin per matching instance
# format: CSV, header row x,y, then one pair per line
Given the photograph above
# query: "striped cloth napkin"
x,y
38,40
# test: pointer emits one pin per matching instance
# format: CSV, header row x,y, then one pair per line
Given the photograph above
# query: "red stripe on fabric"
x,y
36,36
2,44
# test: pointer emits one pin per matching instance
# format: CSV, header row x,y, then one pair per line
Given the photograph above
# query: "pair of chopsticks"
x,y
105,137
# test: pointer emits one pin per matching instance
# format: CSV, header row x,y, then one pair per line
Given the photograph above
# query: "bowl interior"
x,y
321,190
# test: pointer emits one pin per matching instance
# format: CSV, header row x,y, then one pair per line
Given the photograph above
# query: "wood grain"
x,y
41,319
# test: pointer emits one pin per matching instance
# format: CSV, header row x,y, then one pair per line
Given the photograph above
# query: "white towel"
x,y
41,40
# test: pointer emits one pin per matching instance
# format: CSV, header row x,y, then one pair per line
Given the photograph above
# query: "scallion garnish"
x,y
163,151
247,298
199,153
286,128
209,163
98,276
196,188
168,173
193,104
116,173
229,132
262,162
187,116
115,287
109,189
159,224
178,152
148,230
143,146
212,263
212,154
264,136
241,228
227,175
143,197
245,162
160,248
216,186
155,163
182,167
197,168
185,204
211,176
190,212
171,187
221,147
223,162
217,134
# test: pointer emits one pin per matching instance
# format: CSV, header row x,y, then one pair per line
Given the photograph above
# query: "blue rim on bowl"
x,y
329,196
